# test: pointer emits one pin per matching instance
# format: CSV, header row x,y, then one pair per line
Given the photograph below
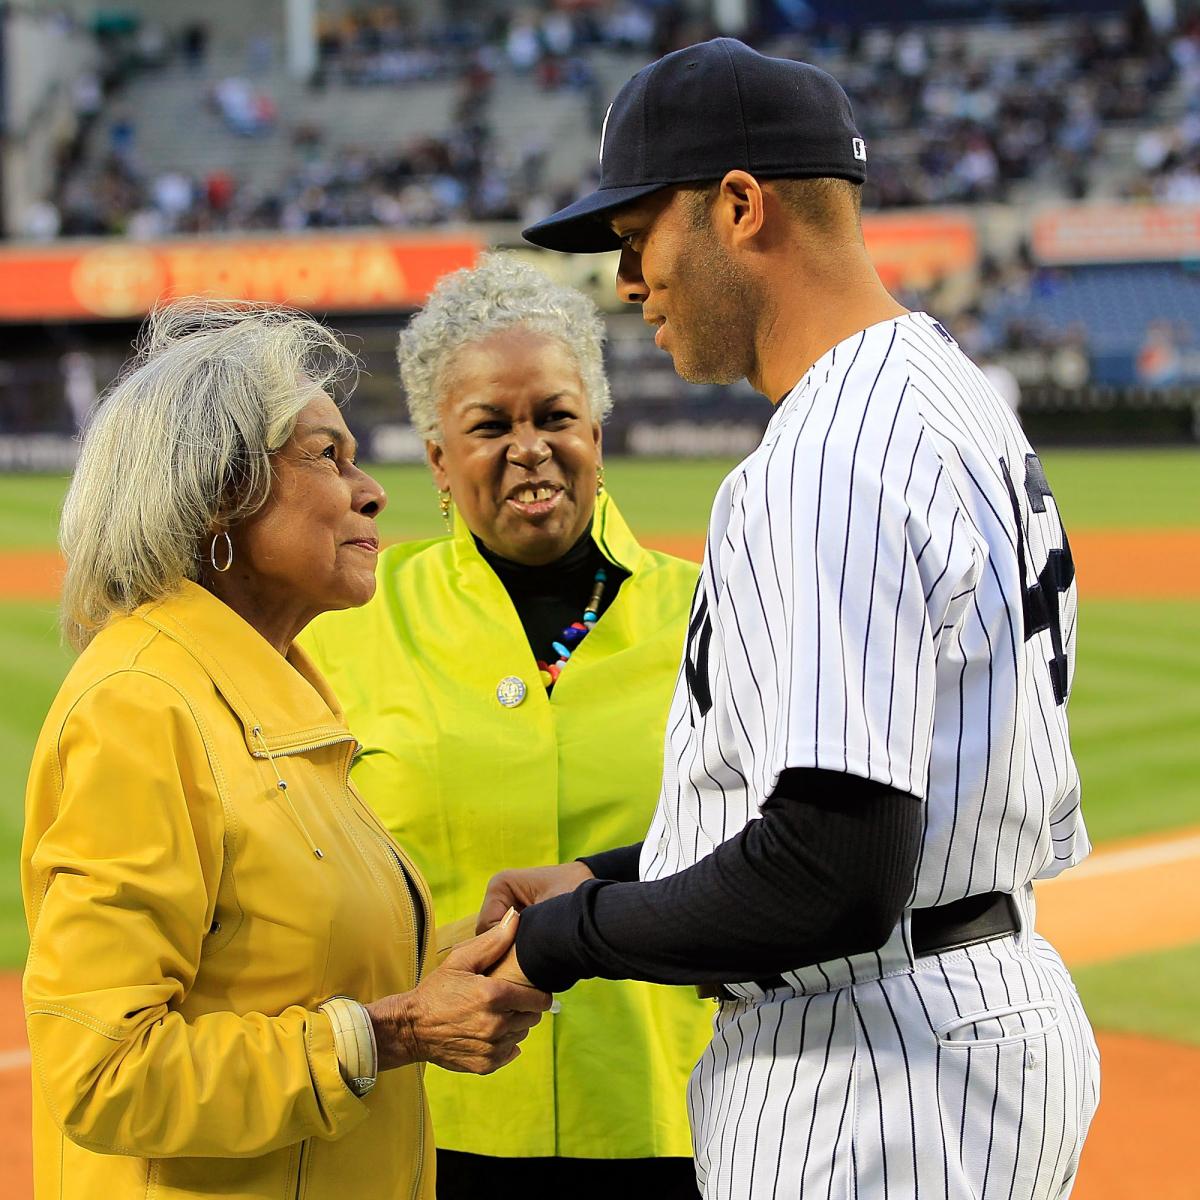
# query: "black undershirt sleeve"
x,y
620,865
824,874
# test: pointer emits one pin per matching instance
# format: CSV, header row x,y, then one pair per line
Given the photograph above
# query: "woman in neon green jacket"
x,y
509,684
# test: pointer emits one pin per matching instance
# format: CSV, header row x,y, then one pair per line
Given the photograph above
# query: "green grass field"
x,y
1157,995
1135,711
1096,489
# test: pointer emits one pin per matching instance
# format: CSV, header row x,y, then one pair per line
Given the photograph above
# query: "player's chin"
x,y
696,370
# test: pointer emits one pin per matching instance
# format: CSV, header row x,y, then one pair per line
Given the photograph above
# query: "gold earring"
x,y
444,505
228,552
599,479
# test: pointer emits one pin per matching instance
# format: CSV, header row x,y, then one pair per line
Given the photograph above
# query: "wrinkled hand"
x,y
520,888
458,1017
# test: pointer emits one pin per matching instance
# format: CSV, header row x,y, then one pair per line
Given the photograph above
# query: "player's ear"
x,y
739,209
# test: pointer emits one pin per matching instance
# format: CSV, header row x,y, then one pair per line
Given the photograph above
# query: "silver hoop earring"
x,y
212,552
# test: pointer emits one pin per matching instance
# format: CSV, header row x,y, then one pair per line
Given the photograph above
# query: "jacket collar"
x,y
284,705
609,531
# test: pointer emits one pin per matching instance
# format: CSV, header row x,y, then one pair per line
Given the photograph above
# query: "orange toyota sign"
x,y
325,273
1116,233
916,249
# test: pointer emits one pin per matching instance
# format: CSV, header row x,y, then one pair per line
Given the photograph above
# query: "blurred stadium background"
x,y
1035,183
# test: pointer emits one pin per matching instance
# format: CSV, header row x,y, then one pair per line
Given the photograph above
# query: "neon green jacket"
x,y
470,787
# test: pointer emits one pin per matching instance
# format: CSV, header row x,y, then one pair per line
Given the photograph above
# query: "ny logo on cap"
x,y
860,148
603,131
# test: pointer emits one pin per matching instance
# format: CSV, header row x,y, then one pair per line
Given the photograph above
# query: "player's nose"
x,y
631,287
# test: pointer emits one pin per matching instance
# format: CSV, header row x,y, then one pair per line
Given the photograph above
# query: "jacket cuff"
x,y
341,1109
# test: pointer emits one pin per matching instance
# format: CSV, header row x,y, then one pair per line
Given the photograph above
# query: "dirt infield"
x,y
30,574
16,1153
1135,898
1121,564
1140,1145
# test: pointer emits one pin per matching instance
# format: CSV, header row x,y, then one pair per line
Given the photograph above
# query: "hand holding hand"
x,y
458,1017
509,969
520,888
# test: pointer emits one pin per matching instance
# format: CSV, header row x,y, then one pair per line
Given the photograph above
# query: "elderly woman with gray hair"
x,y
226,992
511,710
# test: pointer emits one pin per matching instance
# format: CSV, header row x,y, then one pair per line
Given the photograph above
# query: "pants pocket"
x,y
999,1026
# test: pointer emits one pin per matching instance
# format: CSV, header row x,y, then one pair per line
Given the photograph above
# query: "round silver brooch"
x,y
510,691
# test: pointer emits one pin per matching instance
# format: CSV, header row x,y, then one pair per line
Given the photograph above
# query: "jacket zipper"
x,y
407,887
399,864
420,933
303,747
300,1169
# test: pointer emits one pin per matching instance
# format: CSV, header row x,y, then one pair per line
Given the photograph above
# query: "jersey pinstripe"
x,y
971,1074
861,609
887,591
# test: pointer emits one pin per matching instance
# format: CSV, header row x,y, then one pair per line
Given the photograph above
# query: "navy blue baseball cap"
x,y
699,112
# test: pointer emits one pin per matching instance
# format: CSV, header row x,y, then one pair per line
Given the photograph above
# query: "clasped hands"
x,y
474,1010
517,890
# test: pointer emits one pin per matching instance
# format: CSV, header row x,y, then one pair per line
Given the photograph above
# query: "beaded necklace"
x,y
574,633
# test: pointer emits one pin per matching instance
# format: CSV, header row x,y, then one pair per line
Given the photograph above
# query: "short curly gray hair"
x,y
499,293
182,441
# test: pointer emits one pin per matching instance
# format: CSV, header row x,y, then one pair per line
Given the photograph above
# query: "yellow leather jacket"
x,y
184,928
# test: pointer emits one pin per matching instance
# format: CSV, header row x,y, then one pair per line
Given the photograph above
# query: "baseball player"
x,y
867,761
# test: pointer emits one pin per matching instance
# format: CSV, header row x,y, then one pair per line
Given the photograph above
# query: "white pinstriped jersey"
x,y
887,591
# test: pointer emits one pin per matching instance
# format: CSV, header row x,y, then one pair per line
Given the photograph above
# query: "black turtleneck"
x,y
549,597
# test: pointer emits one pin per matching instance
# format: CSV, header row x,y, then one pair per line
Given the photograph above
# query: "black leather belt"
x,y
961,923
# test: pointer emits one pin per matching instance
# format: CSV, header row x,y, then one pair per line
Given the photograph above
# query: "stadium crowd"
x,y
384,45
960,122
978,112
951,116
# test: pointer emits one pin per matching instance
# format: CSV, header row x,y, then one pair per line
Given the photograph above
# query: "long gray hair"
x,y
182,442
